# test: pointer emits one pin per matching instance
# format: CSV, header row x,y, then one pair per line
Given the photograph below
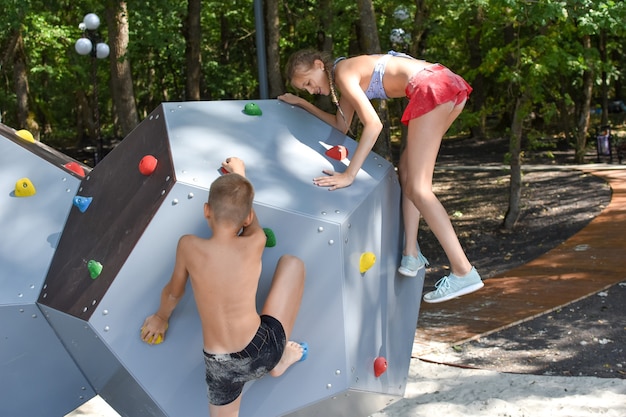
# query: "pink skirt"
x,y
432,86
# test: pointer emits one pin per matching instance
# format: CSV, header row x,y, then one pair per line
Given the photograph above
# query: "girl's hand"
x,y
290,99
334,180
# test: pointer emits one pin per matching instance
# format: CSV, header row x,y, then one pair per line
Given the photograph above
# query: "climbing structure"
x,y
117,249
37,192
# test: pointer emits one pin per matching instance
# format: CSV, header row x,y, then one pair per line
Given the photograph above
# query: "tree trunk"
x,y
418,35
20,77
583,118
370,44
324,34
122,91
605,84
479,95
515,141
274,74
192,33
324,43
368,33
84,119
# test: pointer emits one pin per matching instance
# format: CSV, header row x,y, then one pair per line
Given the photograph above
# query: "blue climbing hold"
x,y
305,351
82,203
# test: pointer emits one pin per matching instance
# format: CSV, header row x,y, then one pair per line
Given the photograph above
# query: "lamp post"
x,y
90,44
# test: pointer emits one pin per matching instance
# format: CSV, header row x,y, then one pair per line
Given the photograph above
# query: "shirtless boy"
x,y
239,344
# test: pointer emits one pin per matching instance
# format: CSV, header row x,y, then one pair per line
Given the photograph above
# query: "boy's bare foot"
x,y
292,354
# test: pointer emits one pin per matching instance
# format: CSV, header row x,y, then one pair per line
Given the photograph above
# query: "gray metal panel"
x,y
346,317
102,367
404,294
120,314
283,149
320,320
379,301
37,375
172,372
31,226
329,231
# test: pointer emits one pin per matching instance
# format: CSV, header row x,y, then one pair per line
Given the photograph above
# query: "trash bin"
x,y
603,143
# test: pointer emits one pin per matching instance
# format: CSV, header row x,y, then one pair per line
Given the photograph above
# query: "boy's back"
x,y
224,272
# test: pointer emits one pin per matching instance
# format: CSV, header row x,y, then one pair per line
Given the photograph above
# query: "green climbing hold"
x,y
271,238
251,109
95,268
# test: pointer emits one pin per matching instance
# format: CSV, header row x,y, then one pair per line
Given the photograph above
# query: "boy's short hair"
x,y
230,198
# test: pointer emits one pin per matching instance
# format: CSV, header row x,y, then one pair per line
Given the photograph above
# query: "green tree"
x,y
560,56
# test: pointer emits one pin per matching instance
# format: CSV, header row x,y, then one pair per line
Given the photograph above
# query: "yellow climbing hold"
x,y
24,188
155,340
26,135
368,259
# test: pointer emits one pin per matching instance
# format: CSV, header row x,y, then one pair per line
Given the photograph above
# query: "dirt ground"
x,y
583,338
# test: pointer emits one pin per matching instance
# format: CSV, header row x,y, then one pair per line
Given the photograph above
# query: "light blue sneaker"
x,y
452,286
410,264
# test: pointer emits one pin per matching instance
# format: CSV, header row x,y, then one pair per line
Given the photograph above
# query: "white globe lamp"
x,y
91,21
102,50
83,46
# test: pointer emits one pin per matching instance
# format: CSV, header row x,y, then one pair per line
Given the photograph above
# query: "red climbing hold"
x,y
337,152
147,165
75,167
380,366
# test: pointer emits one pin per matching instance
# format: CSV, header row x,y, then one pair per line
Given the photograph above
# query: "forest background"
x,y
545,73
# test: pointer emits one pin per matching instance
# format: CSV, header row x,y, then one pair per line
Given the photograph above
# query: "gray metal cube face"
x,y
347,317
31,355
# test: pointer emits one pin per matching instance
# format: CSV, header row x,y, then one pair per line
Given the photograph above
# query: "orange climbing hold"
x,y
76,168
380,366
147,165
337,152
24,188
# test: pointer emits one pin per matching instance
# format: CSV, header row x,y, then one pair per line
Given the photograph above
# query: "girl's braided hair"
x,y
303,60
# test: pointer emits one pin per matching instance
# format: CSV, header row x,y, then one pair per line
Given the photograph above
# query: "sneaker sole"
x,y
407,272
462,291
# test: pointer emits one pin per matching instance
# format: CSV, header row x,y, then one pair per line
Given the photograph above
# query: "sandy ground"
x,y
441,390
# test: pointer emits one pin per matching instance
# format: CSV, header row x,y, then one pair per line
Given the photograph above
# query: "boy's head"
x,y
230,199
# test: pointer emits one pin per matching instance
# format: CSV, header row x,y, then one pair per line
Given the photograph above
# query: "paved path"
x,y
591,260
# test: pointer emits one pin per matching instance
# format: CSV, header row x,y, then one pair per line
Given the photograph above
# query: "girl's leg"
x,y
283,302
424,139
412,259
410,214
